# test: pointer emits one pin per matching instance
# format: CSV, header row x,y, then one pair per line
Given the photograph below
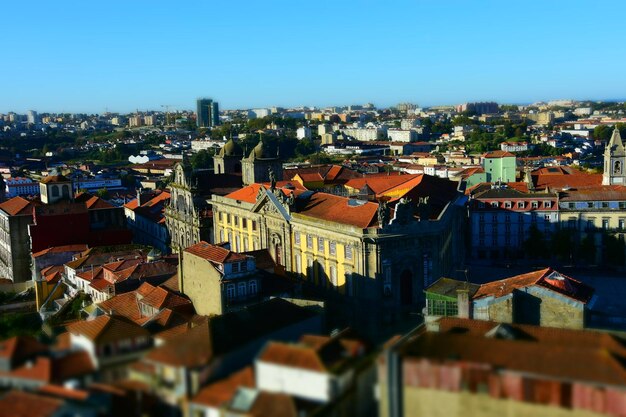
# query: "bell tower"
x,y
614,161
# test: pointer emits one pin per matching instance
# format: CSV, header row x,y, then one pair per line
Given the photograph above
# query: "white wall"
x,y
294,381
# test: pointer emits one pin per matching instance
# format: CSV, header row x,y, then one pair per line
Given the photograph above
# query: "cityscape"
x,y
294,240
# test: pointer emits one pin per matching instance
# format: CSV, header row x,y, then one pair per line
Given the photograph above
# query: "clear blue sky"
x,y
89,55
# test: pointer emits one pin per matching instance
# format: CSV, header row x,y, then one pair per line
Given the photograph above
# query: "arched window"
x,y
65,191
55,191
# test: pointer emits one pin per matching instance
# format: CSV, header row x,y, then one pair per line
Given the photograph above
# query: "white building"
x,y
514,146
306,370
258,113
366,134
407,124
94,184
303,132
32,117
399,135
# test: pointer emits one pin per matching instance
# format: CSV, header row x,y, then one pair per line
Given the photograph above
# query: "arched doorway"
x,y
406,287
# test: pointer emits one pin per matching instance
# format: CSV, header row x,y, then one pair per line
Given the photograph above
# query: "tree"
x,y
305,147
202,159
103,193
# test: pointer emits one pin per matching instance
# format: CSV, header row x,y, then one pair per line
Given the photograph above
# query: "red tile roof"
x,y
247,194
62,392
220,392
564,177
567,362
192,348
18,348
314,353
23,404
598,193
380,184
60,249
337,209
214,253
17,206
547,278
548,336
123,305
106,329
52,274
54,369
153,209
498,154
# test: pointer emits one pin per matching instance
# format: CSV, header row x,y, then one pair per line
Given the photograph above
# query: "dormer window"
x,y
535,204
508,204
494,204
520,204
547,204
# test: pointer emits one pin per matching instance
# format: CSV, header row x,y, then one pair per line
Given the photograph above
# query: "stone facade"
x,y
256,167
377,272
533,305
187,216
15,246
614,161
228,160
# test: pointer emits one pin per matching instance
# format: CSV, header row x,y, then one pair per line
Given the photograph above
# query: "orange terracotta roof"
x,y
214,253
498,154
60,249
162,298
18,348
564,362
292,356
17,206
122,305
313,177
548,336
220,392
52,274
132,204
23,404
315,353
91,274
337,209
547,278
106,329
598,193
192,348
380,184
468,172
63,341
95,203
73,365
65,393
247,194
564,177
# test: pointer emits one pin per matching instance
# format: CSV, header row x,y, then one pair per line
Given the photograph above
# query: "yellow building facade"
x,y
339,245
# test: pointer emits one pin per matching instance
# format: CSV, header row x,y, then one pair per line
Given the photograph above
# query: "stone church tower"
x,y
256,166
614,161
228,160
187,216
